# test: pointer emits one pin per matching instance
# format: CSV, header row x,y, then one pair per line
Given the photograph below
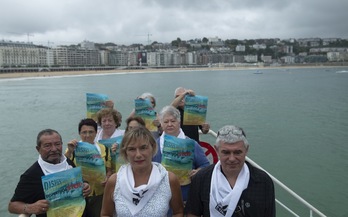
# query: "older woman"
x,y
141,187
88,129
170,121
109,121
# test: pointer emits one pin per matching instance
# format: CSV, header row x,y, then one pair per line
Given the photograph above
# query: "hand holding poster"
x,y
116,159
63,190
95,102
177,157
92,165
144,109
195,110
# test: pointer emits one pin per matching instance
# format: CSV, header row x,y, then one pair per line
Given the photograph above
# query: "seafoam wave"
x,y
342,71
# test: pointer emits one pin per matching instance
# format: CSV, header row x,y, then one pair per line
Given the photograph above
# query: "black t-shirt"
x,y
29,188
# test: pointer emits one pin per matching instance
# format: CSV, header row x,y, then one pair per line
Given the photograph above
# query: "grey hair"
x,y
231,134
46,132
179,89
148,95
169,110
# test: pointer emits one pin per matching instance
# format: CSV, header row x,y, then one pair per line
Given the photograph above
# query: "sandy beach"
x,y
58,73
91,72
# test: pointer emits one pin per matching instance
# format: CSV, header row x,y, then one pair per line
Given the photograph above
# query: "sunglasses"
x,y
237,132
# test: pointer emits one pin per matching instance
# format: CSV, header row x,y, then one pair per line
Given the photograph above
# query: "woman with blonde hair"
x,y
141,187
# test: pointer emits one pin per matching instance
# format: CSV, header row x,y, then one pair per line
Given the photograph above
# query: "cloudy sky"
x,y
135,21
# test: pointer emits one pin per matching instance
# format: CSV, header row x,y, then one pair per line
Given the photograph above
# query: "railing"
x,y
311,208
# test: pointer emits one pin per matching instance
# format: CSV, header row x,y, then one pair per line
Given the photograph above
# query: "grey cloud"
x,y
129,22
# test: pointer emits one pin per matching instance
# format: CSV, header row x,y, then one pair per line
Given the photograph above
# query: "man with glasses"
x,y
29,197
232,187
179,102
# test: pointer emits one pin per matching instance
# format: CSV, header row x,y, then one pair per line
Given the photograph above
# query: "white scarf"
x,y
137,197
48,168
180,136
224,199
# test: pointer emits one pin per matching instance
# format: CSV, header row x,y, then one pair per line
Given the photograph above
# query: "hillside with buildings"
x,y
179,53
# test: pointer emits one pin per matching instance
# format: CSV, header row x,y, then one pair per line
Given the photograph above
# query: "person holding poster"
x,y
94,158
96,102
109,120
63,190
152,123
170,121
192,131
232,187
29,197
141,187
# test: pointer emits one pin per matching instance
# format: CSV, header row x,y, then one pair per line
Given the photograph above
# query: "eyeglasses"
x,y
91,132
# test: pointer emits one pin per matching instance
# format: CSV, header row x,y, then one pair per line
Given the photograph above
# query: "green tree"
x,y
176,43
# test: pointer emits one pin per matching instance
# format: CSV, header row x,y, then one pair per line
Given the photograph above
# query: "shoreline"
x,y
14,75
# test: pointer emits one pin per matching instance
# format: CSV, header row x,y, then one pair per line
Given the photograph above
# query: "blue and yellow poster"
x,y
144,109
63,190
177,157
116,159
195,110
95,102
88,158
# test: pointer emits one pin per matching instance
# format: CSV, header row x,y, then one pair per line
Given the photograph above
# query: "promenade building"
x,y
17,54
337,56
133,58
191,58
76,56
104,57
151,59
118,58
266,59
250,58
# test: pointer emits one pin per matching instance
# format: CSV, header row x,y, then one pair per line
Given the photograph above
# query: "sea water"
x,y
296,120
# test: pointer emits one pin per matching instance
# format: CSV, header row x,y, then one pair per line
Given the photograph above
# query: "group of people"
x,y
142,186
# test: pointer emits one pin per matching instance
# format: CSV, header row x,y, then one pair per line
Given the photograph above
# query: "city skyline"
x,y
128,22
